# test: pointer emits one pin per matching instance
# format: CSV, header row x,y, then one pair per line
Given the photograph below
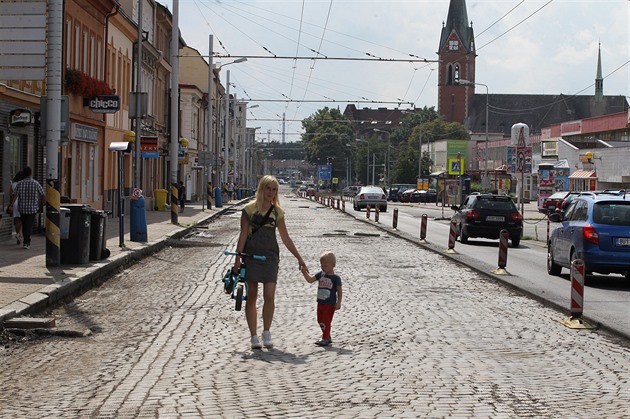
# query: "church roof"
x,y
457,20
537,111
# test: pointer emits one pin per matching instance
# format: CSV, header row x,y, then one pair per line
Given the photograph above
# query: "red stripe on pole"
x,y
423,227
452,235
577,287
395,219
503,245
367,211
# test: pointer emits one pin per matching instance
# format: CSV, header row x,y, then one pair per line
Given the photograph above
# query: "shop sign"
x,y
20,118
105,104
149,147
82,132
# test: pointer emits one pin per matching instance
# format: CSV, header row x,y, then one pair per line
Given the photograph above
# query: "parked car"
x,y
552,202
302,188
372,195
406,195
596,229
310,191
485,215
421,195
396,189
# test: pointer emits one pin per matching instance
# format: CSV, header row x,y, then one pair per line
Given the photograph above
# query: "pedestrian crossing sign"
x,y
456,166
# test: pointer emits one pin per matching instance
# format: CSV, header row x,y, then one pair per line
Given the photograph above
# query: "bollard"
x,y
503,249
395,219
423,228
338,204
367,211
548,229
577,288
377,211
452,235
577,297
343,206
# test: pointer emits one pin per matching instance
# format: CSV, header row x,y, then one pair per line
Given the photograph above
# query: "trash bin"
x,y
64,222
75,250
160,199
97,234
137,220
218,201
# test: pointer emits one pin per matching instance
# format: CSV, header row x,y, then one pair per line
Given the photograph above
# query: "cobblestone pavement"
x,y
417,336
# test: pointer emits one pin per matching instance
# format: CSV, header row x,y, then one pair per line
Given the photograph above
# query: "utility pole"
x,y
174,149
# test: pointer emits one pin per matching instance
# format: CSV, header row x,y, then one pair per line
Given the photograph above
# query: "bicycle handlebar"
x,y
255,257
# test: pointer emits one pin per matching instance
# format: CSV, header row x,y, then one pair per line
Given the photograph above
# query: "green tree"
x,y
326,134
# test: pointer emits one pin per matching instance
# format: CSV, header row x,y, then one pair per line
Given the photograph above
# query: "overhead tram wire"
x,y
326,58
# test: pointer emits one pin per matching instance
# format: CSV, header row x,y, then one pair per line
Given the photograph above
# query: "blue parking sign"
x,y
324,172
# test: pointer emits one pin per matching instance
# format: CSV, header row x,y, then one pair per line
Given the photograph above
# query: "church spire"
x,y
599,80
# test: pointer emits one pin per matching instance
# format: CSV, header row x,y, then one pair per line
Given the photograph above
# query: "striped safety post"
x,y
548,229
377,212
452,235
423,227
577,288
503,248
338,204
367,211
53,220
174,203
395,219
343,206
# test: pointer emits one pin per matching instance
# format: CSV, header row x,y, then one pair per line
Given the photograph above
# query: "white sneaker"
x,y
255,342
266,336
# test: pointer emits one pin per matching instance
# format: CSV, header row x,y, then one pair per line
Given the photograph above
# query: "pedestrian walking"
x,y
13,209
30,197
181,191
329,294
230,191
259,221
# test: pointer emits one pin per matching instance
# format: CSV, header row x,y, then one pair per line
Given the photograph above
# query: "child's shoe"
x,y
324,342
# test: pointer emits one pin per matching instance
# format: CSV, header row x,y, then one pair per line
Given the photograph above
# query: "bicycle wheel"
x,y
239,297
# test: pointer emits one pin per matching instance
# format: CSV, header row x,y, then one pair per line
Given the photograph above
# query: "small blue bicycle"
x,y
234,282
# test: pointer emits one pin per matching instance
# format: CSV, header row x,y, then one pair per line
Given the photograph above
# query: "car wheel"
x,y
516,241
552,268
464,236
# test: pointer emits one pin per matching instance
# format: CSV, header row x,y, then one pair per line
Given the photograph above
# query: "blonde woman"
x,y
259,221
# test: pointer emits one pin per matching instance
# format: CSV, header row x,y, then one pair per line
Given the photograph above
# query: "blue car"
x,y
596,229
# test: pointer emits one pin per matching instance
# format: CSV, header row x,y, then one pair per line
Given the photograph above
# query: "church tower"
x,y
599,80
457,55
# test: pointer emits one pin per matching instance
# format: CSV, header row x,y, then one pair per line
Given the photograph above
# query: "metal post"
x,y
226,125
53,131
137,160
210,100
174,105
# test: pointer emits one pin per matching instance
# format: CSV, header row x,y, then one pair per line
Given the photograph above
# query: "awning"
x,y
440,173
583,174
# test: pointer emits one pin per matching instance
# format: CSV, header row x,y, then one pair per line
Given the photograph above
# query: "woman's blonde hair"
x,y
262,184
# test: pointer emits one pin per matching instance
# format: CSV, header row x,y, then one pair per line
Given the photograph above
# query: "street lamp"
x,y
486,180
386,155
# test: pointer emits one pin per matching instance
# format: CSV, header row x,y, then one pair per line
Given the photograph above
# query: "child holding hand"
x,y
329,294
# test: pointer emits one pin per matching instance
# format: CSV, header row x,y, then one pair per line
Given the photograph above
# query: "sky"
x,y
523,46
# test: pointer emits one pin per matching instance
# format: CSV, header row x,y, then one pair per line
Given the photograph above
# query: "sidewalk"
x,y
27,285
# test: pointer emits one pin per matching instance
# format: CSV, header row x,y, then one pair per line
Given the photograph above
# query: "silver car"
x,y
374,196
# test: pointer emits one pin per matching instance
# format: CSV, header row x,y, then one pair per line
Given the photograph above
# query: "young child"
x,y
329,294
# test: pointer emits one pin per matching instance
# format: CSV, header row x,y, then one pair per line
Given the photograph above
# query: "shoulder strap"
x,y
264,220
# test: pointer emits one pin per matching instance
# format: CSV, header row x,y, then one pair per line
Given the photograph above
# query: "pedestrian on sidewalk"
x,y
181,191
259,221
14,208
31,199
329,294
230,191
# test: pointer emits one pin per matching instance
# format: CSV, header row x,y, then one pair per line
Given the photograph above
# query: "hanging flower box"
x,y
80,84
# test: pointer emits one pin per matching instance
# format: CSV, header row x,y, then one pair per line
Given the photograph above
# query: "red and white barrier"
x,y
367,211
395,219
377,212
343,206
577,288
452,235
423,227
503,248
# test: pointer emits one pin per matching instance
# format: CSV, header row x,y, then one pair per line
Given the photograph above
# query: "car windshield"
x,y
495,204
612,213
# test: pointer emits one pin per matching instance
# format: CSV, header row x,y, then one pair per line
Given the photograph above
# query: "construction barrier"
x,y
577,288
377,212
423,227
503,248
452,235
395,219
367,211
343,206
548,229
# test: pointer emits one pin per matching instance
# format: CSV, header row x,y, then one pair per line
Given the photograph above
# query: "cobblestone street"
x,y
417,336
